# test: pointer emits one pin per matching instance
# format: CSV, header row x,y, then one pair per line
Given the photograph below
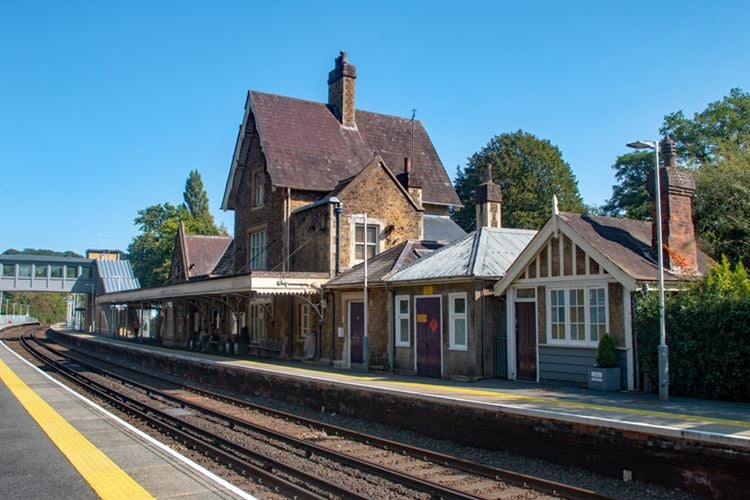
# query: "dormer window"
x,y
362,244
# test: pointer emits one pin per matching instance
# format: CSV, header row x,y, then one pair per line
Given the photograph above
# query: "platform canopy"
x,y
255,283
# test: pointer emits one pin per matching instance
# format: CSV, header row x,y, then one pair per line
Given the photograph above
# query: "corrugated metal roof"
x,y
116,275
486,253
441,228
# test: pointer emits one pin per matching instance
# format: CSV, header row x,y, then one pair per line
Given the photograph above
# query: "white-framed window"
x,y
402,321
257,250
577,315
257,321
371,243
305,321
259,185
458,336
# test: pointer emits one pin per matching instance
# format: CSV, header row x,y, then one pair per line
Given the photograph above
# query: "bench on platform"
x,y
269,345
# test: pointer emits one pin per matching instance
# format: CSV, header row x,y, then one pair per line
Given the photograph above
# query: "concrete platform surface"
x,y
705,420
34,465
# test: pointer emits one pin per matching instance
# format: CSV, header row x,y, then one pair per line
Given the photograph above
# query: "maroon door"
x,y
526,340
356,330
428,336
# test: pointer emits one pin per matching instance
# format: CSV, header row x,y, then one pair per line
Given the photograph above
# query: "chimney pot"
x,y
407,165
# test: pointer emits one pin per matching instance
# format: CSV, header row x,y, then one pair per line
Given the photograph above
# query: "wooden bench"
x,y
269,345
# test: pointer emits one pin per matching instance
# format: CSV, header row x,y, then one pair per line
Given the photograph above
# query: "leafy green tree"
x,y
529,171
41,251
199,216
629,196
722,206
47,307
151,250
723,126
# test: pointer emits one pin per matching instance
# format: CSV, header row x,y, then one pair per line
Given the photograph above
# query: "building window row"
x,y
458,339
45,271
577,315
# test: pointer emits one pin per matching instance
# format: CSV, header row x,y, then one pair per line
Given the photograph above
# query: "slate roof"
x,y
441,228
301,137
486,254
202,253
627,243
116,275
225,266
383,265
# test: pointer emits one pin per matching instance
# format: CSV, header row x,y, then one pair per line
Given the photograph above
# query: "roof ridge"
x,y
434,253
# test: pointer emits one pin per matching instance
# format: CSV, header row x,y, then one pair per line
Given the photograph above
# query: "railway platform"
x,y
56,444
696,445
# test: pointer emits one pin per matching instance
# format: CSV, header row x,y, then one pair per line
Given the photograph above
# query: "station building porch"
x,y
267,313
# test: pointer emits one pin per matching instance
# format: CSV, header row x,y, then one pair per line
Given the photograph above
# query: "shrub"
x,y
606,357
708,334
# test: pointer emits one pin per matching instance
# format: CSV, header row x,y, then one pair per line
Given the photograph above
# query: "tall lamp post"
x,y
663,349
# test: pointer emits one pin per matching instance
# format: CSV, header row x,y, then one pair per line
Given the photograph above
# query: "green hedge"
x,y
708,334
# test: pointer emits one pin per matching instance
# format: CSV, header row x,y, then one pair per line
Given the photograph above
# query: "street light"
x,y
663,349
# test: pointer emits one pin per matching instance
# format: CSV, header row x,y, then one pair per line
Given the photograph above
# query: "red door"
x,y
428,336
526,340
356,330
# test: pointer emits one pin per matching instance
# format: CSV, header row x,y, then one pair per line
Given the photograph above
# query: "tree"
x,y
151,250
722,206
723,126
629,196
41,251
529,171
196,203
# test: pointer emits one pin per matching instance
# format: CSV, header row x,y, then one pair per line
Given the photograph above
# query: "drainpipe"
x,y
484,347
338,210
333,327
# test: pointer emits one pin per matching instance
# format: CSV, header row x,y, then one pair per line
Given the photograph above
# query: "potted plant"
x,y
605,376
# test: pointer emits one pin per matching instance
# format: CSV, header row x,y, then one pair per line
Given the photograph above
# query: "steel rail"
x,y
200,439
514,478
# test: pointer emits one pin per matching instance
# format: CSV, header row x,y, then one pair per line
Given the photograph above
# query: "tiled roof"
x,y
116,275
225,266
202,253
626,242
486,253
385,263
441,228
300,138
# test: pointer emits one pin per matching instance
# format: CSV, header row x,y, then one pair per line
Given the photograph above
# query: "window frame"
x,y
257,321
375,244
399,316
41,267
566,289
9,270
259,187
257,264
453,316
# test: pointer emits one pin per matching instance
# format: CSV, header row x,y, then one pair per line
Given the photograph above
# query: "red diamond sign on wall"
x,y
433,326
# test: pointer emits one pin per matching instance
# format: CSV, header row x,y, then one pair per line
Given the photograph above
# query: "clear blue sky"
x,y
106,106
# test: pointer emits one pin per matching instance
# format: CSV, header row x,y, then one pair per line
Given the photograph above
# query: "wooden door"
x,y
356,331
429,327
526,340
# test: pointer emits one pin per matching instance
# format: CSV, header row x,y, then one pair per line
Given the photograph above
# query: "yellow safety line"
x,y
105,477
524,398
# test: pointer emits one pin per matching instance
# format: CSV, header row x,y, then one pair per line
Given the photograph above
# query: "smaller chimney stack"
x,y
341,90
410,181
678,232
488,199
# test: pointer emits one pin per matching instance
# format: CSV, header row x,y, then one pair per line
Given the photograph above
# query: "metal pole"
x,y
365,340
663,349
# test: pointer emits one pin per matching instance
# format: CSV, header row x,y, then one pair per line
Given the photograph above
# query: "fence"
x,y
6,319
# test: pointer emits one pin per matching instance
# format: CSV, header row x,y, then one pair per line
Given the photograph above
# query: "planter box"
x,y
604,379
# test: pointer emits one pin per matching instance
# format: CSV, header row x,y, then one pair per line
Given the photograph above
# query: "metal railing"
x,y
6,319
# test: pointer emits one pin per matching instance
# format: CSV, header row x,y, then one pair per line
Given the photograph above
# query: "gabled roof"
x,y
116,275
202,253
484,254
306,147
225,266
383,265
343,186
441,228
621,246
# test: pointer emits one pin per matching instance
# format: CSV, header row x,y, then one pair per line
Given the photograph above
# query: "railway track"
x,y
430,473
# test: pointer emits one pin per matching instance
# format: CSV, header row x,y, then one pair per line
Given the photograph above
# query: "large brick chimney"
x,y
341,90
678,232
488,200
